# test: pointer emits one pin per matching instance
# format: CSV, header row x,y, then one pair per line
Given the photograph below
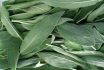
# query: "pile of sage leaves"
x,y
52,35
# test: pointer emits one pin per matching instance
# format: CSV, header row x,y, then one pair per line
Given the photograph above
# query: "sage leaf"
x,y
57,60
27,62
86,53
22,5
11,45
38,49
75,58
32,11
94,60
9,26
96,13
85,12
86,36
44,67
99,26
41,28
70,4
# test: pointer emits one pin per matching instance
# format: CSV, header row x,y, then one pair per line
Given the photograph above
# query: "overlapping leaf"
x,y
44,28
11,45
57,60
71,4
83,35
6,21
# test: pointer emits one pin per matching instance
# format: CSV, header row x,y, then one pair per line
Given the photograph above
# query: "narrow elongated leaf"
x,y
75,58
38,9
70,4
44,28
96,13
100,18
6,21
23,5
84,12
95,60
45,67
32,11
29,22
57,60
27,62
86,53
19,1
38,48
21,16
11,45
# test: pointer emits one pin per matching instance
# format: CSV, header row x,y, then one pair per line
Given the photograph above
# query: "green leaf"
x,y
84,35
86,53
96,13
38,48
6,21
19,1
70,4
100,18
99,26
24,63
23,5
63,20
32,11
75,58
45,67
39,33
29,23
72,45
38,9
84,12
3,64
21,16
11,45
57,60
94,60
